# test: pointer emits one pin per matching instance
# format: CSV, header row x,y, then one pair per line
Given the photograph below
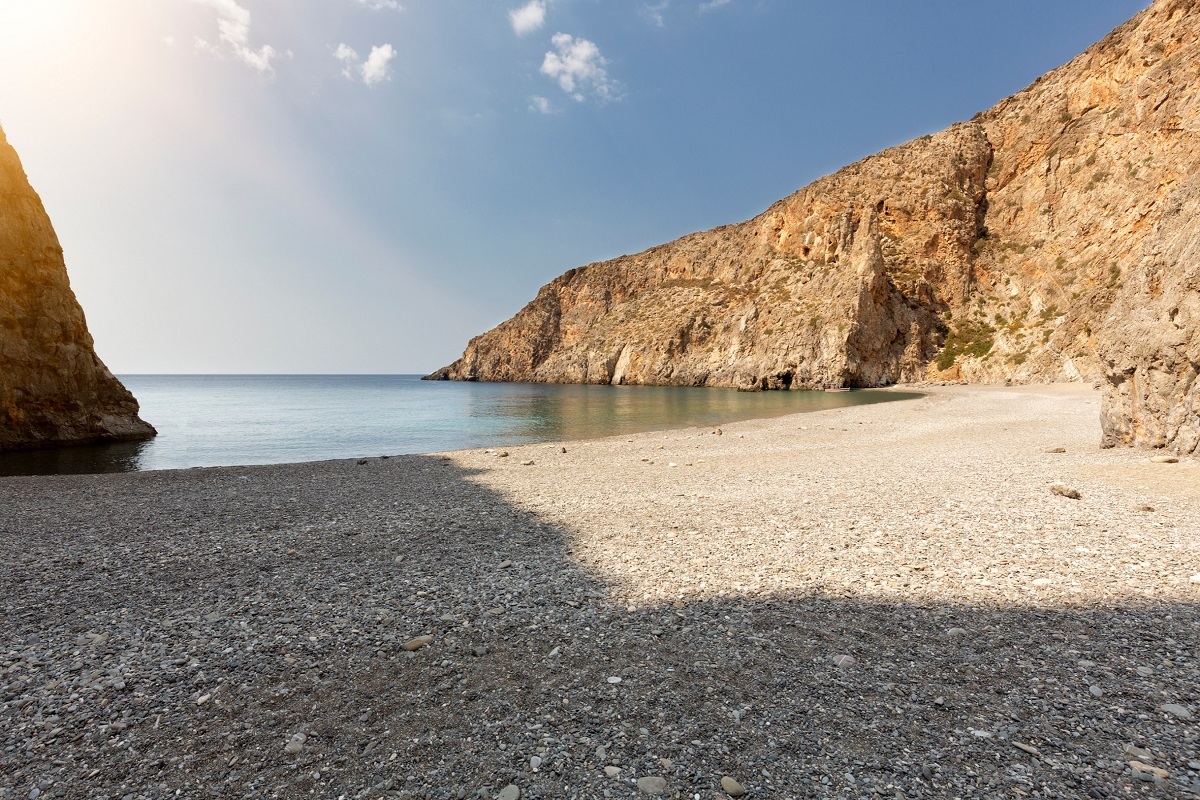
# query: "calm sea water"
x,y
218,420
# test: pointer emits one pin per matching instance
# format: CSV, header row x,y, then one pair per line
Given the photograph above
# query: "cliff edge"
x,y
1050,238
54,390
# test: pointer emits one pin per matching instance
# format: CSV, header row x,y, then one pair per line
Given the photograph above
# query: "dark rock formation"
x,y
54,390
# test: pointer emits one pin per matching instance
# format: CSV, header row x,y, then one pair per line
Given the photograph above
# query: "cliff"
x,y
1019,246
54,390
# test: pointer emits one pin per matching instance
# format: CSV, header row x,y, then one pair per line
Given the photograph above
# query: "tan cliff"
x,y
1050,238
54,390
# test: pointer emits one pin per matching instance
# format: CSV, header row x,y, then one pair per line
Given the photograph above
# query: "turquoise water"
x,y
218,420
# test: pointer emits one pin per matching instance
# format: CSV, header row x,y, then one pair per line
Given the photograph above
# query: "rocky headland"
x,y
54,389
1052,237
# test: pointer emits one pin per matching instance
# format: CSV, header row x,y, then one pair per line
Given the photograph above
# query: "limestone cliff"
x,y
54,390
1049,238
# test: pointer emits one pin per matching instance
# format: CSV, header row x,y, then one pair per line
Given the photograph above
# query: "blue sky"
x,y
361,185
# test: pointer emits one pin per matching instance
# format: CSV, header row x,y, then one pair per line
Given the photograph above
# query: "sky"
x,y
360,186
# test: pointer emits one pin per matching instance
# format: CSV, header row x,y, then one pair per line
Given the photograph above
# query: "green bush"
x,y
969,338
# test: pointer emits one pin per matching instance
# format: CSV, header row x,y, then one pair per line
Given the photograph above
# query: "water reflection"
x,y
83,460
211,420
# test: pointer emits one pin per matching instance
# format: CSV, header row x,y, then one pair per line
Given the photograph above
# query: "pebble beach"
x,y
957,596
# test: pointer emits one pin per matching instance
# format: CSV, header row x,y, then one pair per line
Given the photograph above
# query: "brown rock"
x,y
54,390
1054,237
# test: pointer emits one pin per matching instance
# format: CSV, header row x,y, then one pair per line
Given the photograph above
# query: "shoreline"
x,y
845,603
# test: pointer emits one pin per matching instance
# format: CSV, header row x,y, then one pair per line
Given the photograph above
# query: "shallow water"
x,y
217,420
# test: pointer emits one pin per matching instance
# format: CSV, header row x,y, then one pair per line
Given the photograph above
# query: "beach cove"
x,y
878,601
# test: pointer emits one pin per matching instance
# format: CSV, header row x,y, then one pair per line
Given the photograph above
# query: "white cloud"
x,y
528,18
379,5
579,68
375,69
233,37
713,5
539,104
349,58
378,64
656,12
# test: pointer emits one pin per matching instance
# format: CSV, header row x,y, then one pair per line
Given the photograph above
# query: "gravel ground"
x,y
880,601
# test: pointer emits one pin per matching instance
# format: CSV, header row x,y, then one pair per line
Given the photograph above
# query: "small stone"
x,y
398,560
510,792
601,753
1164,460
1176,710
292,552
732,788
418,643
1195,578
502,454
1145,672
955,633
1194,765
35,793
554,653
528,463
535,762
672,464
1144,508
1057,450
1065,491
505,564
1140,753
717,432
1096,691
614,679
295,744
1083,662
1147,773
652,784
446,618
982,734
1041,581
844,661
612,772
202,699
479,651
1028,748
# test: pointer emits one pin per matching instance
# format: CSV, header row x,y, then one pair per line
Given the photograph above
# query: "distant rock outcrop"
x,y
1020,246
54,390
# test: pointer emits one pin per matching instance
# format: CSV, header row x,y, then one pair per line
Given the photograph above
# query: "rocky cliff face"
x,y
1020,246
54,390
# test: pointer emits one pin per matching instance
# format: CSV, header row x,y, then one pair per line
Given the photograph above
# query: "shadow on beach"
x,y
168,633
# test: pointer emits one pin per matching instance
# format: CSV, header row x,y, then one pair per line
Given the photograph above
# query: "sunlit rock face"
x,y
1020,246
54,390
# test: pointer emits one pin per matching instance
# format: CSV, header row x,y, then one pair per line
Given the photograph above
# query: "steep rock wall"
x,y
54,390
1020,246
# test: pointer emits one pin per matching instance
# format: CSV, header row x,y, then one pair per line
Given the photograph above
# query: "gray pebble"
x,y
652,784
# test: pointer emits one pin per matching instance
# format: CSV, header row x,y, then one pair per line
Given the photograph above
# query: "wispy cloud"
x,y
540,104
656,12
713,5
579,68
528,18
375,69
233,37
379,5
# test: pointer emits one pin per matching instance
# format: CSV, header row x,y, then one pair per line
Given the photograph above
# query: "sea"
x,y
226,420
